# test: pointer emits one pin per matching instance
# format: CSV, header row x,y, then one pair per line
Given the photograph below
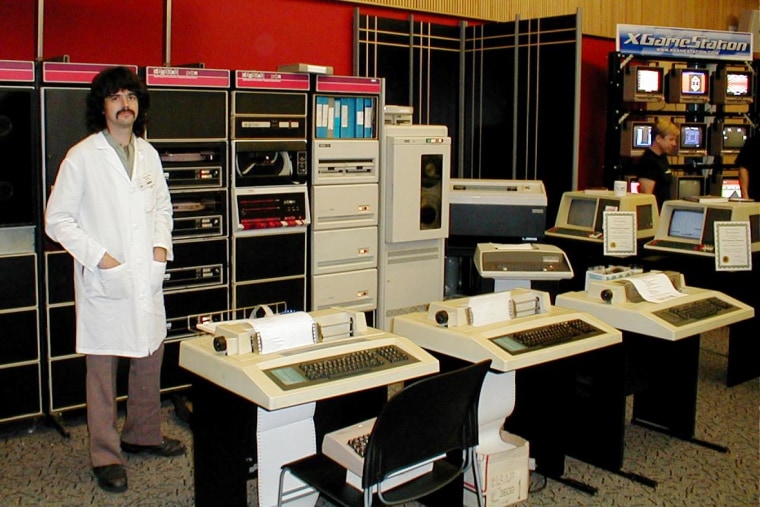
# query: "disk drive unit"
x,y
417,165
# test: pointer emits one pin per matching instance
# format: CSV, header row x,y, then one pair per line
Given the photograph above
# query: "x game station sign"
x,y
663,42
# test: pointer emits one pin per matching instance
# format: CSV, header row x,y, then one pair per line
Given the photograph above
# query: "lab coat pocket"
x,y
157,274
115,282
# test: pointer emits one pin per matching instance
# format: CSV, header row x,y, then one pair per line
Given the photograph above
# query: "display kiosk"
x,y
661,319
258,384
685,241
577,371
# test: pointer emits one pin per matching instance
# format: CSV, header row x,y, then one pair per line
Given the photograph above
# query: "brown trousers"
x,y
142,424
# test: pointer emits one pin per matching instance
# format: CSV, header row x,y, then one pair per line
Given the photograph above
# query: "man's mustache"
x,y
126,109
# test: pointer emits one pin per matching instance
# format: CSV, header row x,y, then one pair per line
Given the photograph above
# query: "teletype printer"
x,y
284,363
661,319
525,335
514,329
657,304
234,355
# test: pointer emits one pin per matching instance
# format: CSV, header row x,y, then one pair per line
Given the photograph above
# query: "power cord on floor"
x,y
537,482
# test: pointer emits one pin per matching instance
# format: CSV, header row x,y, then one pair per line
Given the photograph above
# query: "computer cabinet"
x,y
713,103
345,191
189,128
192,143
268,180
20,354
20,365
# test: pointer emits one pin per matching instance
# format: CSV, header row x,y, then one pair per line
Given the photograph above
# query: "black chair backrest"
x,y
433,416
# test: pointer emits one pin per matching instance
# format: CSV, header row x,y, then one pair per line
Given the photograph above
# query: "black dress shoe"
x,y
168,447
112,478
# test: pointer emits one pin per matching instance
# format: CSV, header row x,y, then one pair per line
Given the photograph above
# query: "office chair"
x,y
426,420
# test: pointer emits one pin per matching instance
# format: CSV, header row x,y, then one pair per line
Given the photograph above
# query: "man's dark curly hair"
x,y
105,84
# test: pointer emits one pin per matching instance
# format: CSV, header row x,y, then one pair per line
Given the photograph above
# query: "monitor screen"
x,y
732,86
642,135
689,187
734,136
643,83
648,80
688,86
635,137
686,223
582,213
729,187
693,138
738,83
728,137
694,82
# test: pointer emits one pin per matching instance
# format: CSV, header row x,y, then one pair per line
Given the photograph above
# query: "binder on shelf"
x,y
322,116
359,132
369,119
338,117
347,107
330,119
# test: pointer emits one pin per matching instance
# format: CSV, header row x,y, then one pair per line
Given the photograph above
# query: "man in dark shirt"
x,y
748,161
653,168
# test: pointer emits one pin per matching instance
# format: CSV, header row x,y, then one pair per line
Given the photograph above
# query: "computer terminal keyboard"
x,y
678,245
340,366
696,310
359,444
546,336
566,231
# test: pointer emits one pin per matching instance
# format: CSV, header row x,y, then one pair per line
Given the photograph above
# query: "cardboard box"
x,y
503,471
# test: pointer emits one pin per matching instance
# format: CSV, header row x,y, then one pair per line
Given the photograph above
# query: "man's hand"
x,y
108,262
159,254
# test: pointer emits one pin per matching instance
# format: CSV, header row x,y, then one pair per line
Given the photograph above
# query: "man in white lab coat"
x,y
110,208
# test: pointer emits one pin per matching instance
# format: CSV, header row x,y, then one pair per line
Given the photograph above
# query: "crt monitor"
x,y
687,186
635,137
643,83
692,140
730,187
689,86
686,223
581,213
732,86
689,227
728,138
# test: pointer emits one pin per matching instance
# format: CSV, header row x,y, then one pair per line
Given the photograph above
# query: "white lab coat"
x,y
94,208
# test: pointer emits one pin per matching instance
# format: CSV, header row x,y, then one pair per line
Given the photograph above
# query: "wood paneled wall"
x,y
599,17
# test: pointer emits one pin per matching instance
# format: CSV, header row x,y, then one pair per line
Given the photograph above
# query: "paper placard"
x,y
619,233
733,246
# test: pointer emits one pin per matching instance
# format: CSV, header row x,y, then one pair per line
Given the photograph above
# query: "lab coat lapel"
x,y
111,157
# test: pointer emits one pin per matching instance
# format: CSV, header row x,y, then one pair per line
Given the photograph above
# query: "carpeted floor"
x,y
38,467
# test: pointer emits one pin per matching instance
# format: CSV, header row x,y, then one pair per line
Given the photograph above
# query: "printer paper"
x,y
655,287
284,331
490,308
282,436
497,401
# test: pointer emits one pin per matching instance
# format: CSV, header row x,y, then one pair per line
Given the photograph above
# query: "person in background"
x,y
653,168
748,161
110,208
